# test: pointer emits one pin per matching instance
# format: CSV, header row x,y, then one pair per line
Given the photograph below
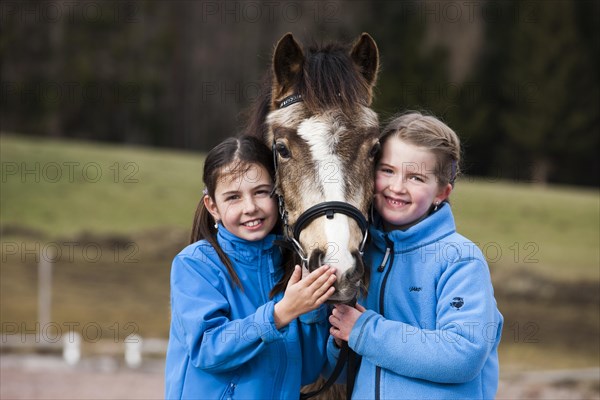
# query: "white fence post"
x,y
72,348
44,290
133,350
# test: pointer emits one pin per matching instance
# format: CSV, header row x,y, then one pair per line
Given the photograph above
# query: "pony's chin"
x,y
345,298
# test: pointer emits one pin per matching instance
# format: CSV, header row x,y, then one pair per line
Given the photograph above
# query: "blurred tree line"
x,y
517,80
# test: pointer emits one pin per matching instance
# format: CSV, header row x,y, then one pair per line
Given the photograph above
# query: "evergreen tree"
x,y
546,72
412,76
530,112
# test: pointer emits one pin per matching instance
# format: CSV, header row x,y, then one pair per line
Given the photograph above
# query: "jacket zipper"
x,y
389,256
228,395
389,259
384,261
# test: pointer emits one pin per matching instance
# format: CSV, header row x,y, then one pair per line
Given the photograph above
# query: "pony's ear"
x,y
366,55
287,64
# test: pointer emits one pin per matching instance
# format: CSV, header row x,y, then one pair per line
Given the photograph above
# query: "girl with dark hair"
x,y
230,331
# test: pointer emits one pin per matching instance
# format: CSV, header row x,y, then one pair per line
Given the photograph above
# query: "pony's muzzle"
x,y
349,280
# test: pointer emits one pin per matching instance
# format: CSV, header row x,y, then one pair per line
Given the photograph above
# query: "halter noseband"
x,y
327,208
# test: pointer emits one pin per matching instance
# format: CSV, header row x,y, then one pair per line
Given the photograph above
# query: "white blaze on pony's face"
x,y
323,134
324,146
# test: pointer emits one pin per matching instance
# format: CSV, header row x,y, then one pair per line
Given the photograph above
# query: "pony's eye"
x,y
282,150
375,149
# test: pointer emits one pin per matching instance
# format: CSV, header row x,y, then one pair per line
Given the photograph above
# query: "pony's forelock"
x,y
331,80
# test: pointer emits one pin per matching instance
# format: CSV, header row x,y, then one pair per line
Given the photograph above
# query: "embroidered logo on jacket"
x,y
457,302
415,289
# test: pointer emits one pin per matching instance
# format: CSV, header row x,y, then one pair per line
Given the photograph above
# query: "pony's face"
x,y
325,150
327,157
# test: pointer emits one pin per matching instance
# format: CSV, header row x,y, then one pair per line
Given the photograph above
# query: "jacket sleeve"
x,y
314,332
199,309
453,351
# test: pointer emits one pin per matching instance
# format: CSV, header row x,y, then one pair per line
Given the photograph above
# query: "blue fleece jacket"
x,y
432,327
223,342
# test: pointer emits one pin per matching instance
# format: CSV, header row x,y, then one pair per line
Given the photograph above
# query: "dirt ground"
x,y
48,377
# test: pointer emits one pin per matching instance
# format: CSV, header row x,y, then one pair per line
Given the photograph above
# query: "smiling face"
x,y
242,202
406,186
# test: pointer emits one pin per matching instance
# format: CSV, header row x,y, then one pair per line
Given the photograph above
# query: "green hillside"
x,y
64,187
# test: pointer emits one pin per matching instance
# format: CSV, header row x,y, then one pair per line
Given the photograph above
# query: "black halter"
x,y
327,208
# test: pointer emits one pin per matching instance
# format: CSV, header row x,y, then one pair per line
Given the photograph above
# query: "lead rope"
x,y
339,366
354,361
347,356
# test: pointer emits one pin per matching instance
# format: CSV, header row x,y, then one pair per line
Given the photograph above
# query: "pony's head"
x,y
324,137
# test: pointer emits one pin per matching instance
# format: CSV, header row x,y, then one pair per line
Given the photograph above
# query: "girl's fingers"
x,y
327,295
323,279
316,274
332,320
296,276
323,284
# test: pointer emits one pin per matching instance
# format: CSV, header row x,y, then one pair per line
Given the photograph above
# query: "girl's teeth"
x,y
252,223
396,202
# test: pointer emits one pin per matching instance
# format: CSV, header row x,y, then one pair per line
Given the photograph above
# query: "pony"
x,y
315,114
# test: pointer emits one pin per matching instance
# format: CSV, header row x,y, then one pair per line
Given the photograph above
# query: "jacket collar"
x,y
436,226
245,252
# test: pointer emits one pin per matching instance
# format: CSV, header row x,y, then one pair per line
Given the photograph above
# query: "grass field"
x,y
112,217
66,188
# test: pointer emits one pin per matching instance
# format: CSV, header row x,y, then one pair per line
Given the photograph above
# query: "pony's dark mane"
x,y
329,79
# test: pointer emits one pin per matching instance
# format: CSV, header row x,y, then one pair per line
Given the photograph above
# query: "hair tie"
x,y
453,173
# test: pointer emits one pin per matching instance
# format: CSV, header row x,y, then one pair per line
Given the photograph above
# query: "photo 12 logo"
x,y
69,93
71,252
69,172
71,12
227,12
54,332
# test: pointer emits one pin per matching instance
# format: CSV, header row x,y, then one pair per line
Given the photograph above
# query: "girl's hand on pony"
x,y
342,319
304,295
